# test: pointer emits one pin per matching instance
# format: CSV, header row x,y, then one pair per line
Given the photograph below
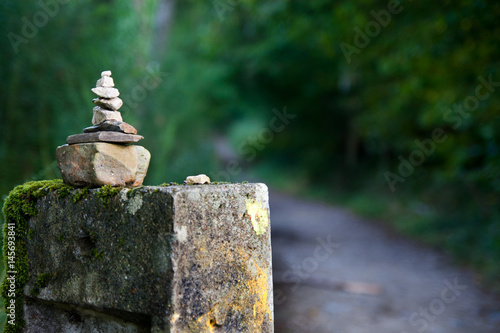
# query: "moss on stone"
x,y
133,191
106,192
41,282
169,184
64,192
98,254
19,206
80,194
92,235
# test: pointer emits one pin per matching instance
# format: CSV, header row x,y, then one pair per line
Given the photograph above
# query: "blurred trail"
x,y
335,272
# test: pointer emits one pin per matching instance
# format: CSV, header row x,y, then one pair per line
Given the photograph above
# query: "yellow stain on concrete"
x,y
249,296
259,286
174,318
205,323
258,215
253,283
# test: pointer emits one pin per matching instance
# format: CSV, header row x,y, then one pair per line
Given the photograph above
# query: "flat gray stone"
x,y
99,163
111,137
106,92
109,103
113,126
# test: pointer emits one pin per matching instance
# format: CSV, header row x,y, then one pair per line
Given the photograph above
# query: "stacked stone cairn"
x,y
101,155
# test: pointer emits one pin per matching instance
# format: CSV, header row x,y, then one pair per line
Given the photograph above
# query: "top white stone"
x,y
106,73
105,81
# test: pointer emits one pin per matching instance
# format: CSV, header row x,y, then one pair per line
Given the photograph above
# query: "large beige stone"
x,y
97,164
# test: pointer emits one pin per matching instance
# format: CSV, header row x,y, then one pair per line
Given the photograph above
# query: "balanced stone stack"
x,y
101,154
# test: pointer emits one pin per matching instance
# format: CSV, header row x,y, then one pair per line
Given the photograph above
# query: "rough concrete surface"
x,y
153,259
335,272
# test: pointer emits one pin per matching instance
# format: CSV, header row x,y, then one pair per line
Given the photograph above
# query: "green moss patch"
x,y
169,184
98,254
64,192
80,194
106,192
19,206
133,191
41,282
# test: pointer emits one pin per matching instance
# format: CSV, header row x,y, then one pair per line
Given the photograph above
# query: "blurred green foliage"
x,y
422,70
227,68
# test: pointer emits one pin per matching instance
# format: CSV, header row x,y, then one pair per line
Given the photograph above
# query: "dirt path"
x,y
335,272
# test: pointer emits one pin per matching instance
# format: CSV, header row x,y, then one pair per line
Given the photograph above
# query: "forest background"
x,y
388,108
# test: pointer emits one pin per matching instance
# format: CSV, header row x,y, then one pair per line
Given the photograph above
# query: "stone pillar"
x,y
152,259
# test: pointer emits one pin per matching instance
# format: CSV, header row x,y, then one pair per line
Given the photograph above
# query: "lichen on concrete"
x,y
228,255
134,204
258,215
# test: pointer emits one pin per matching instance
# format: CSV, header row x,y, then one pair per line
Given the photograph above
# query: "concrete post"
x,y
152,259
